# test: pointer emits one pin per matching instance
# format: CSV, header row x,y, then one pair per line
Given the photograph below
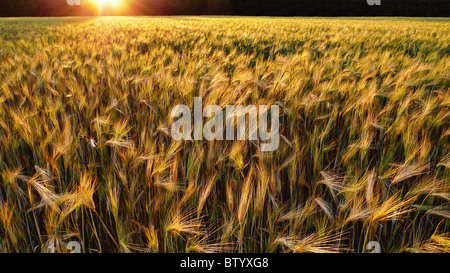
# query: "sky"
x,y
433,8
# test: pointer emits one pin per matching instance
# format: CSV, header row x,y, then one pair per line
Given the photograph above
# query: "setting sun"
x,y
108,6
110,2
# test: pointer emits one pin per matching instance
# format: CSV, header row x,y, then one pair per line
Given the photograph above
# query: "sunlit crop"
x,y
86,154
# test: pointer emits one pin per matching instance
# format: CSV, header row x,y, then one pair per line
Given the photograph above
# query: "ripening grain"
x,y
85,153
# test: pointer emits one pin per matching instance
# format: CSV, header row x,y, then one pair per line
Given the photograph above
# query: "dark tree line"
x,y
237,7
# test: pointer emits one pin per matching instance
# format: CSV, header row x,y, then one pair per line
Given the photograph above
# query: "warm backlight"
x,y
108,6
108,2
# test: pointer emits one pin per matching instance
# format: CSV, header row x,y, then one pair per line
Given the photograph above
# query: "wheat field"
x,y
86,154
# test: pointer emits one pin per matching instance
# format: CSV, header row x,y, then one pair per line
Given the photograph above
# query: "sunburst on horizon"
x,y
115,5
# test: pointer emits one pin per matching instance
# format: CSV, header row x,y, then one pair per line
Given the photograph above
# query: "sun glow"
x,y
105,2
114,6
